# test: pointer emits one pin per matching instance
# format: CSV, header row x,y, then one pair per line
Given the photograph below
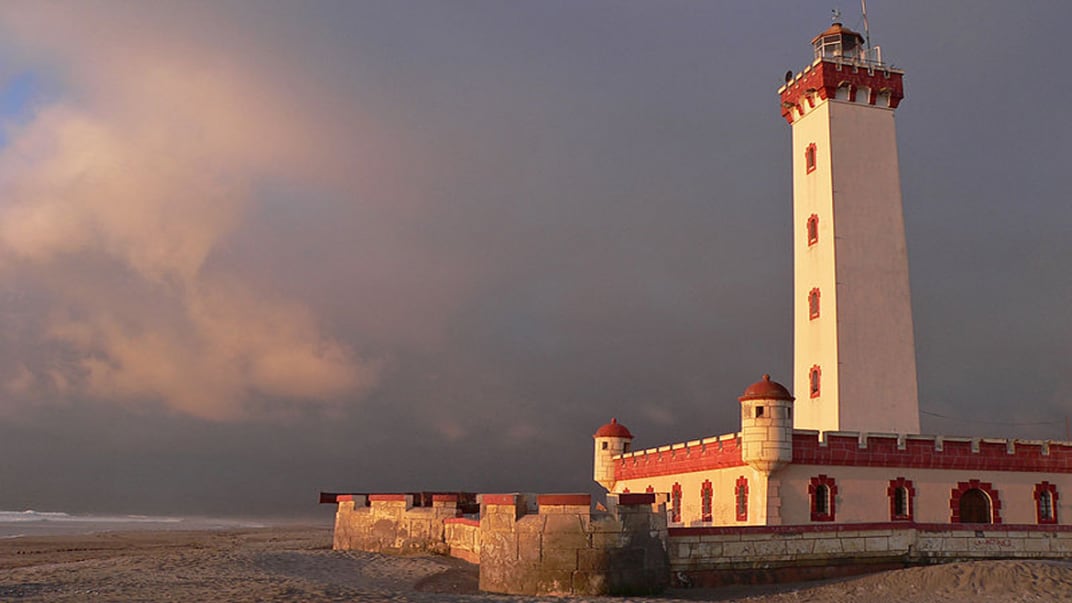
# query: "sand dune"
x,y
296,564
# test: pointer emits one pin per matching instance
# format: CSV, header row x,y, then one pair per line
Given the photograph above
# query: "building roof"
x,y
835,29
614,429
765,389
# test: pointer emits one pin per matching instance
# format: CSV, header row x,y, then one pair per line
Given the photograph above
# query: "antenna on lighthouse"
x,y
867,28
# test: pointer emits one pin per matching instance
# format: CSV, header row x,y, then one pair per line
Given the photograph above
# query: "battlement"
x,y
930,452
844,79
715,452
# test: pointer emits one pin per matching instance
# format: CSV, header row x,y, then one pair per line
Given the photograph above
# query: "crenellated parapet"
x,y
716,452
827,79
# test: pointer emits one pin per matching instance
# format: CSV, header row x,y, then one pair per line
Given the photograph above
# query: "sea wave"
x,y
31,515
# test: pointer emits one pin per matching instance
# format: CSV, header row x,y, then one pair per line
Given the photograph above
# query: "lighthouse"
x,y
854,352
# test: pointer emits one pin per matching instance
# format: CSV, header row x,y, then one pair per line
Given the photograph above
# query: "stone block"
x,y
877,544
558,558
800,546
554,582
528,547
593,559
827,546
853,545
1037,545
590,583
604,540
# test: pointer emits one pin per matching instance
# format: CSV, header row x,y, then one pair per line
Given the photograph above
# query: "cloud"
x,y
115,200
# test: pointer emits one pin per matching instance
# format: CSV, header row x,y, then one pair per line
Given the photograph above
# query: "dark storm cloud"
x,y
252,251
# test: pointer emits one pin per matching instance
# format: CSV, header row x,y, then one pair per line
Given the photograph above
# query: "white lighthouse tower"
x,y
855,365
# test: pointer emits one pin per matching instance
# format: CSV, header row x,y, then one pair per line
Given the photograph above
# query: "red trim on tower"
x,y
387,497
823,79
564,499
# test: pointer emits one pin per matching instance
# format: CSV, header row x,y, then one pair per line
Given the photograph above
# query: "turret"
x,y
766,425
610,439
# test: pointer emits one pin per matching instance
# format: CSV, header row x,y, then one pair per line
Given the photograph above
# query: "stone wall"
x,y
389,523
718,556
462,536
567,549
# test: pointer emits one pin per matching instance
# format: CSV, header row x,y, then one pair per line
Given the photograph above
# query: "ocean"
x,y
16,524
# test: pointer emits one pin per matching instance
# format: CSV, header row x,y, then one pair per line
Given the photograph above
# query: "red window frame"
x,y
973,484
1046,488
707,492
813,304
649,490
812,228
815,490
810,158
910,495
815,377
675,503
740,496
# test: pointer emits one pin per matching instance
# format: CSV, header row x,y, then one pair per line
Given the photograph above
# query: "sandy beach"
x,y
295,563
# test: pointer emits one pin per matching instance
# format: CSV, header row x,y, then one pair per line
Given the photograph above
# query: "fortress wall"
x,y
462,537
720,556
566,549
391,524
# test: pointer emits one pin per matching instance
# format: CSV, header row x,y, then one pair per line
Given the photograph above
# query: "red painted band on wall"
x,y
444,498
387,497
703,457
921,454
498,499
564,499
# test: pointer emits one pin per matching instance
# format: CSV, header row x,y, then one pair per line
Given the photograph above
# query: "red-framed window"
x,y
812,228
809,158
813,304
707,492
902,496
740,494
625,491
823,493
815,376
649,490
974,501
675,503
1046,502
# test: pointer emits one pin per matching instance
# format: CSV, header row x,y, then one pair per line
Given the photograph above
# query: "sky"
x,y
254,250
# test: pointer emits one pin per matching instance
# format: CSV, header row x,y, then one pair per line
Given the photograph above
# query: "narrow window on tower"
x,y
809,158
813,230
813,304
814,376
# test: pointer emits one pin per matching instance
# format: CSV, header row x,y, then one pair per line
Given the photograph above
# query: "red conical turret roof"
x,y
765,389
614,429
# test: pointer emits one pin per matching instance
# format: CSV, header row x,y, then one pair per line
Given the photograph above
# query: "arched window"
x,y
706,494
809,158
901,493
814,375
823,492
1046,502
813,230
974,501
741,495
813,304
675,503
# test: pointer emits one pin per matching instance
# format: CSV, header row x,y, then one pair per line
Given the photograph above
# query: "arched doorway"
x,y
974,506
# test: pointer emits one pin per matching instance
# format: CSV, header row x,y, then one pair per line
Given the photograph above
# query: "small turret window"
x,y
605,445
814,378
813,304
759,411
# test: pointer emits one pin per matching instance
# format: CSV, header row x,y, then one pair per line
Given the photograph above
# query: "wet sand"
x,y
296,563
